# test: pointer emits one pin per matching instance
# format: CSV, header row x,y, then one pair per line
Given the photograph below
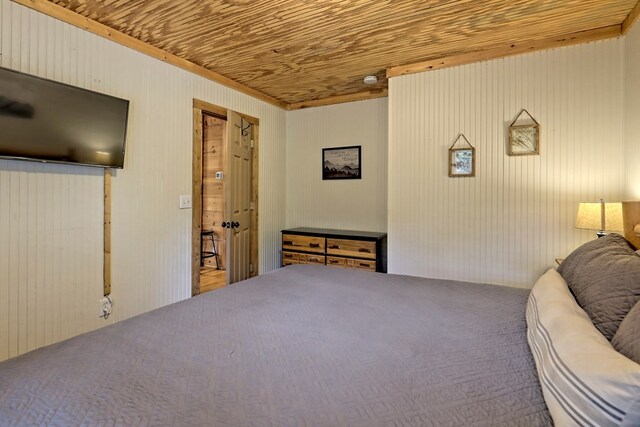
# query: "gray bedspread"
x,y
302,346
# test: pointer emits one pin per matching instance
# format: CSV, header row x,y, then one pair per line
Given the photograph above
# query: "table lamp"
x,y
600,216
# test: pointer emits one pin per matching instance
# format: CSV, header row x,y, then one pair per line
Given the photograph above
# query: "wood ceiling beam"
x,y
509,50
77,20
340,99
631,19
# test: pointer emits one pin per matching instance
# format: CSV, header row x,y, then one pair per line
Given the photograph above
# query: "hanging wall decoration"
x,y
341,163
524,138
462,161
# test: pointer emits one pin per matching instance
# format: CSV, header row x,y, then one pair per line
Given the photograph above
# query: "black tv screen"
x,y
47,121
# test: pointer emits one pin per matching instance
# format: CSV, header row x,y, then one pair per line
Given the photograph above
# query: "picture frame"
x,y
342,163
524,139
462,162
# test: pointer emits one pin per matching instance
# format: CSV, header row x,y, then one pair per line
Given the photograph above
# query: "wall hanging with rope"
x,y
462,160
524,138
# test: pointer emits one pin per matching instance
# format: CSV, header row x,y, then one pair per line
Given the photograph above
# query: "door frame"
x,y
200,108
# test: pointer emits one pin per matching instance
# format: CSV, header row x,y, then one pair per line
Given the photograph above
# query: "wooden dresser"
x,y
339,248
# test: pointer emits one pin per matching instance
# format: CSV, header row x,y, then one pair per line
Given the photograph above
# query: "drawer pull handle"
x,y
288,255
364,250
333,261
362,264
314,245
334,247
288,242
313,259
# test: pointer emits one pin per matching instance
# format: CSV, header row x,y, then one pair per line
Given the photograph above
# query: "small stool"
x,y
207,254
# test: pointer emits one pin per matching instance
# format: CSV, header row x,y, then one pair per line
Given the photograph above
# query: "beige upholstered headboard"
x,y
631,217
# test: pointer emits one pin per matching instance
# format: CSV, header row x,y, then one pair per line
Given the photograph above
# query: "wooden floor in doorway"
x,y
212,279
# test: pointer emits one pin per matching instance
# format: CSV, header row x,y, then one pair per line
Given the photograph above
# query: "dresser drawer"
x,y
352,248
312,259
361,264
303,243
336,261
290,256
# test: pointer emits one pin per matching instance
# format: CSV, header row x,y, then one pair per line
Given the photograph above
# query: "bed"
x,y
311,345
302,346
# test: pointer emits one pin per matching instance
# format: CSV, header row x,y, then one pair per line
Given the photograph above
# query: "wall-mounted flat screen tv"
x,y
46,121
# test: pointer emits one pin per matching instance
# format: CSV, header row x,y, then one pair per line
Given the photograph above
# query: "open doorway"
x,y
225,197
213,237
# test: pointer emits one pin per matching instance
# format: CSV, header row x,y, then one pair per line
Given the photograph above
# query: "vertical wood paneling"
x,y
343,204
49,249
508,223
213,202
632,111
51,215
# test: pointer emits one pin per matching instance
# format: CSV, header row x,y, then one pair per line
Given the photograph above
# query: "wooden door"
x,y
238,200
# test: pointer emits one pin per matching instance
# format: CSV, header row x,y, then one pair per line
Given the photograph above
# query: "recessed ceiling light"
x,y
369,80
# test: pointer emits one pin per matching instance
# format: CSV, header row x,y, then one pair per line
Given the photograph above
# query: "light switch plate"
x,y
185,202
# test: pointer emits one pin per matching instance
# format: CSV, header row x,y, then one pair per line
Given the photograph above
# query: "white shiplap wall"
x,y
508,223
343,204
51,215
632,111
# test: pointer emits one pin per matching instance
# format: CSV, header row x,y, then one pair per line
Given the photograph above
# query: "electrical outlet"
x,y
104,307
185,202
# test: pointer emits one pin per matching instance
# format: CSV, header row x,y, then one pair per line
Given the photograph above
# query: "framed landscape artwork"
x,y
341,163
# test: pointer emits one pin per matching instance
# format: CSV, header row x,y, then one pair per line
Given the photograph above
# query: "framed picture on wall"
x,y
462,162
524,137
524,140
341,163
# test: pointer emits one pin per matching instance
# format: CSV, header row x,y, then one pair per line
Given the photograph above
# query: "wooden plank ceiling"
x,y
298,51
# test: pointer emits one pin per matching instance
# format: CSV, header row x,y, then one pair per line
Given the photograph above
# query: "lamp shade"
x,y
590,216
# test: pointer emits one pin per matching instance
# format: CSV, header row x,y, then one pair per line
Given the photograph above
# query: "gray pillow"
x,y
627,338
604,277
